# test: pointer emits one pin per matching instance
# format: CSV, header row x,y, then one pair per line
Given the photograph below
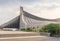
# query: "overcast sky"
x,y
49,9
8,10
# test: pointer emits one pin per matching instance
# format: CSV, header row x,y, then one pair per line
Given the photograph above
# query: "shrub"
x,y
31,29
51,28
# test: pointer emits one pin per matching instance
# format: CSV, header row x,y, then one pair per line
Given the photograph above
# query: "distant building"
x,y
26,19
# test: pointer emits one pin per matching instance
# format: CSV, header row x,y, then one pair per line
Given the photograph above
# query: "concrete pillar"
x,y
21,10
22,24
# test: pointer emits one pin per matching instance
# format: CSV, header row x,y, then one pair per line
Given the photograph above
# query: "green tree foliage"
x,y
31,29
51,28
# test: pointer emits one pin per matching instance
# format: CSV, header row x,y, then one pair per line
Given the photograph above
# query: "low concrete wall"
x,y
44,34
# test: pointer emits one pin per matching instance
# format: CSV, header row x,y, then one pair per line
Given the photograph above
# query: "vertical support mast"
x,y
22,21
21,10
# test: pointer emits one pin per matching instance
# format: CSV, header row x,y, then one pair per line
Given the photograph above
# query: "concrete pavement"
x,y
17,34
30,38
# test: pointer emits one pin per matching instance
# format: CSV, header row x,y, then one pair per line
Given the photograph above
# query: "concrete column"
x,y
22,24
21,10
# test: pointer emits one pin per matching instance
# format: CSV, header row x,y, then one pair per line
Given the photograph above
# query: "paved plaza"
x,y
30,39
26,38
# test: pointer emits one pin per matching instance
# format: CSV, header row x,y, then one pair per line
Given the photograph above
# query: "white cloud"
x,y
45,10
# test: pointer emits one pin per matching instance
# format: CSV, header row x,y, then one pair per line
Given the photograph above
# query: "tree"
x,y
51,28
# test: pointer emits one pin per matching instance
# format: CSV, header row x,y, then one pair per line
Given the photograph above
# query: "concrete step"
x,y
18,34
